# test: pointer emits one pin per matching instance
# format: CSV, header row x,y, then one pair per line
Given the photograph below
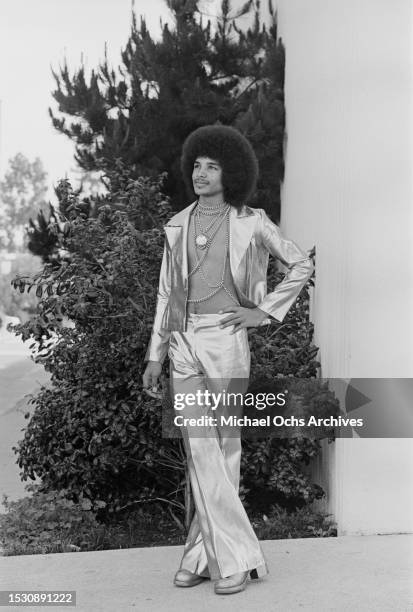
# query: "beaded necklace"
x,y
204,242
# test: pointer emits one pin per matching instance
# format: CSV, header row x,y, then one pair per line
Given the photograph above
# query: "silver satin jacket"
x,y
253,236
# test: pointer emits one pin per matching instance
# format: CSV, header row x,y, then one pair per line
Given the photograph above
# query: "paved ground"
x,y
361,574
19,375
350,573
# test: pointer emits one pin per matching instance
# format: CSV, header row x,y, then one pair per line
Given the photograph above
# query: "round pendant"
x,y
201,241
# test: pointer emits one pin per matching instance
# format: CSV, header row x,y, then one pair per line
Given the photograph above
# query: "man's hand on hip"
x,y
242,317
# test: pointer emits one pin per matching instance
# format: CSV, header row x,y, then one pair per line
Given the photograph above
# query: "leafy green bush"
x,y
302,523
274,469
95,433
50,523
46,523
285,349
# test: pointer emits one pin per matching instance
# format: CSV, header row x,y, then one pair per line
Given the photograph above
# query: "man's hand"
x,y
242,317
151,375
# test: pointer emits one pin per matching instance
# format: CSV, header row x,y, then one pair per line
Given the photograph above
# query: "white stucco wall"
x,y
348,189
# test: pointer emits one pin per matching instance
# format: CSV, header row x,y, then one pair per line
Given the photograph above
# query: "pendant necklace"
x,y
218,212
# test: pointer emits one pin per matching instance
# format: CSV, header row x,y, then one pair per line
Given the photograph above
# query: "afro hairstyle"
x,y
235,155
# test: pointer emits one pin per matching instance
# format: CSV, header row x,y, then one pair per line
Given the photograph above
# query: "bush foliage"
x,y
304,522
93,432
50,523
46,522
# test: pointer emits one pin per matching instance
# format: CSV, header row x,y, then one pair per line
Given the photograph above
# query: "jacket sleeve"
x,y
159,341
299,264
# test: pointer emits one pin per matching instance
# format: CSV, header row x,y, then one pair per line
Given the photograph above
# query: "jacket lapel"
x,y
177,234
241,228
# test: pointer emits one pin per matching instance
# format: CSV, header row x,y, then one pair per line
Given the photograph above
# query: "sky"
x,y
36,35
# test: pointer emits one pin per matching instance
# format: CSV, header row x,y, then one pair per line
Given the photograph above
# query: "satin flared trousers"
x,y
221,540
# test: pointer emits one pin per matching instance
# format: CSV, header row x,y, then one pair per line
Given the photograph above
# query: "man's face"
x,y
207,177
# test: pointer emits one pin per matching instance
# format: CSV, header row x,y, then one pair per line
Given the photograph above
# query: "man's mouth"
x,y
200,183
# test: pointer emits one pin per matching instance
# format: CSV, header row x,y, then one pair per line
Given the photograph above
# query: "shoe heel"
x,y
254,574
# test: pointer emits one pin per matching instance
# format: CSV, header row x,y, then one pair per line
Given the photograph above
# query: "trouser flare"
x,y
221,540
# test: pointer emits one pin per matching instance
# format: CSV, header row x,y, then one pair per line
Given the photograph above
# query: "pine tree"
x,y
41,240
198,73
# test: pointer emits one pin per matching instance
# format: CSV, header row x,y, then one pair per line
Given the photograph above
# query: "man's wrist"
x,y
264,314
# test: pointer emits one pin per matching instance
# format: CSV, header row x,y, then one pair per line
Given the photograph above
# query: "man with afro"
x,y
212,288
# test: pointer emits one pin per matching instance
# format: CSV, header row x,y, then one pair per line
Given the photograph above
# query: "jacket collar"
x,y
183,215
241,227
